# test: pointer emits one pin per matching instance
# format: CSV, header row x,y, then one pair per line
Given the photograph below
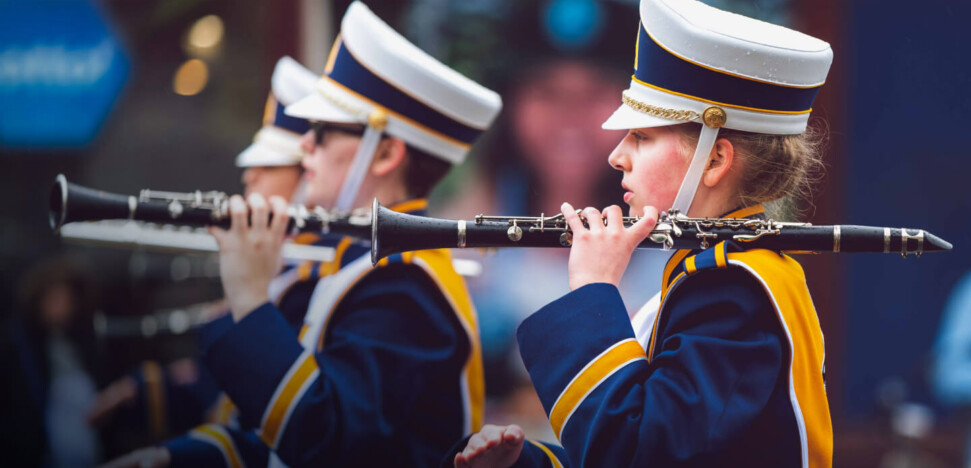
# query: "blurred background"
x,y
123,96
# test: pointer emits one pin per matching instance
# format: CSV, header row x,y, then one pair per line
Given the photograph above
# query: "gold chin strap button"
x,y
714,117
378,119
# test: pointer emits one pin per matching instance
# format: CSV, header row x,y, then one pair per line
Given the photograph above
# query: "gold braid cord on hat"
x,y
673,114
340,102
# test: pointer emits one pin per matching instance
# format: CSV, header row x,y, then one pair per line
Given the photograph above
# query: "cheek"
x,y
659,175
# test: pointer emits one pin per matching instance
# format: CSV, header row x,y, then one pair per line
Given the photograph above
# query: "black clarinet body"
x,y
394,232
71,202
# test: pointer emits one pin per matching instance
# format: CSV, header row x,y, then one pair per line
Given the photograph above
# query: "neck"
x,y
711,203
387,192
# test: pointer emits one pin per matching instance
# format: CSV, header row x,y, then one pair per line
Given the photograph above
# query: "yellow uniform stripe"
x,y
673,262
689,265
410,205
333,266
305,238
269,112
155,396
589,377
785,282
453,287
747,211
306,368
720,260
333,55
549,453
303,331
304,269
218,435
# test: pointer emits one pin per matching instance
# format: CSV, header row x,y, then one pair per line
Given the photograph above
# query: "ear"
x,y
721,160
389,156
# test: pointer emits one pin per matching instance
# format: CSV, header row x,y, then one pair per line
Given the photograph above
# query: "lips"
x,y
628,194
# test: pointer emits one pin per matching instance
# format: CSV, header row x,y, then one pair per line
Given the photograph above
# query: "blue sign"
x,y
61,70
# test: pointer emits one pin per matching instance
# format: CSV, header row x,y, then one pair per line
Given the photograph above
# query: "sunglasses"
x,y
321,129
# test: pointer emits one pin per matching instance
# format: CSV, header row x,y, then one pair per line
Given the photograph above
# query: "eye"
x,y
638,136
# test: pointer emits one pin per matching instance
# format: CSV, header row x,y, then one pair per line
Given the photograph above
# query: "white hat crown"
x,y
427,104
691,56
278,142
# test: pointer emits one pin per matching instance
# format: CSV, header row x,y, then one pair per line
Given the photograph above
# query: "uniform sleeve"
x,y
388,374
164,406
714,372
212,445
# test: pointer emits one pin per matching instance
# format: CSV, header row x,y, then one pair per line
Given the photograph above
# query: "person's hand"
x,y
149,457
492,447
249,252
600,253
121,392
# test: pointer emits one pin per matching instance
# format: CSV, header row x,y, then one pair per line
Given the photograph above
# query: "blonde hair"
x,y
778,170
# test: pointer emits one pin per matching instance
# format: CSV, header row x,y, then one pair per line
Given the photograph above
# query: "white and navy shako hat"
x,y
375,77
278,142
696,63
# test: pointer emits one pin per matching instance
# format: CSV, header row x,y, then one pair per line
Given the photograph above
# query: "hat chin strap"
x,y
686,194
361,163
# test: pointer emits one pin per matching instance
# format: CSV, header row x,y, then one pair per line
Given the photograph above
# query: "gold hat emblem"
x,y
378,119
714,117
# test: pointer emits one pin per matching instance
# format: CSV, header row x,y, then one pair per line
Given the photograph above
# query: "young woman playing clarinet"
x,y
725,367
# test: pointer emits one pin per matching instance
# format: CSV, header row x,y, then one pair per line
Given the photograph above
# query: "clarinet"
x,y
71,202
393,232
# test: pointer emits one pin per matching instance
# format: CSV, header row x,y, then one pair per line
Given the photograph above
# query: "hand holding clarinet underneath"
x,y
249,251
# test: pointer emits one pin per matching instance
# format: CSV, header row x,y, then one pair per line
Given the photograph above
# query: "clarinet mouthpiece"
x,y
935,244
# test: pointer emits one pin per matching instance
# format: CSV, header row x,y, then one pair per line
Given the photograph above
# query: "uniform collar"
x,y
675,264
415,206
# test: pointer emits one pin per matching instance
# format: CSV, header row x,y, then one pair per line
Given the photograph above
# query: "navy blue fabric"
x,y
353,75
249,369
562,336
716,393
390,367
706,259
214,329
190,452
533,456
658,67
286,122
184,405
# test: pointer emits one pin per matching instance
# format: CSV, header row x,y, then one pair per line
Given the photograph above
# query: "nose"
x,y
249,175
307,142
618,158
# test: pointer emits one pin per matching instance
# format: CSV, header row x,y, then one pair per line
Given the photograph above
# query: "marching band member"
x,y
725,367
386,369
183,395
